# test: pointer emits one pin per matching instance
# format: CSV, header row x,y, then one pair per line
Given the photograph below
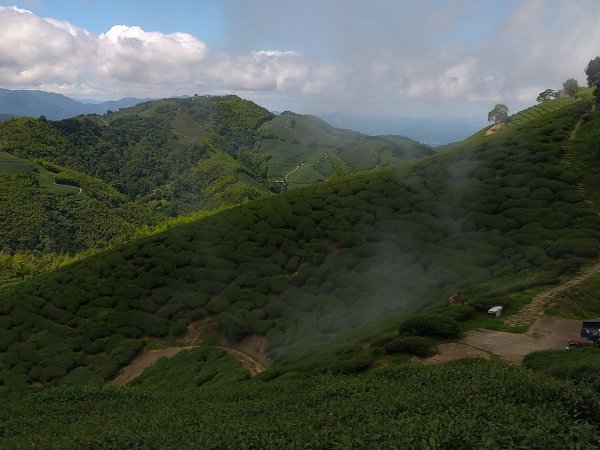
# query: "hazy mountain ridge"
x,y
35,103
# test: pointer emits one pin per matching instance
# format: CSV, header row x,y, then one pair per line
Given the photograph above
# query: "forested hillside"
x,y
77,183
47,208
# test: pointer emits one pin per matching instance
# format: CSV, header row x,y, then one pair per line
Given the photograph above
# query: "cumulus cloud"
x,y
59,56
389,57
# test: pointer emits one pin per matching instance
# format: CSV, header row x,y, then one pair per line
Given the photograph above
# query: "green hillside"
x,y
48,208
468,405
345,279
98,177
302,150
317,265
153,153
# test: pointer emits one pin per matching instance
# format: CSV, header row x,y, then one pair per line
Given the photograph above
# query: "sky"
x,y
375,58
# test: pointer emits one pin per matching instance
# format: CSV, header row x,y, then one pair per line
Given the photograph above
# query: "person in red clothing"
x,y
452,299
458,298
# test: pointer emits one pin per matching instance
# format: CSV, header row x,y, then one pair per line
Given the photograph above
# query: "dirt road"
x,y
546,333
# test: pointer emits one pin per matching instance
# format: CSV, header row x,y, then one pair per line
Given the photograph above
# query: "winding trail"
x,y
102,119
250,352
545,333
64,184
293,170
535,309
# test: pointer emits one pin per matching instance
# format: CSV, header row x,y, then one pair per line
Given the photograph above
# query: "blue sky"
x,y
390,58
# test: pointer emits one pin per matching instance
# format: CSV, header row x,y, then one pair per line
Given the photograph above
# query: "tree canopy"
x,y
498,114
593,72
571,86
546,95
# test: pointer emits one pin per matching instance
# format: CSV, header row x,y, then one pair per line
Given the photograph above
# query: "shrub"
x,y
47,374
233,326
580,365
414,345
430,325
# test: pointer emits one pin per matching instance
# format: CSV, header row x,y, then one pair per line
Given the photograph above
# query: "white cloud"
x,y
126,60
379,66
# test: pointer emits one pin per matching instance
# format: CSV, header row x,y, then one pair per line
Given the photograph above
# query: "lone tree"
x,y
498,114
548,94
571,87
593,72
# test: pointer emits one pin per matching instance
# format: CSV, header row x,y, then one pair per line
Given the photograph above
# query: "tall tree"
x,y
498,114
548,94
593,72
571,87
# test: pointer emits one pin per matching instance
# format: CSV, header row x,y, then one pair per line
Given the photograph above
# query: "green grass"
x,y
578,302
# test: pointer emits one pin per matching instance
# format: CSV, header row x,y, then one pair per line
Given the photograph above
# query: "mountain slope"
x,y
47,208
175,156
33,103
305,149
315,266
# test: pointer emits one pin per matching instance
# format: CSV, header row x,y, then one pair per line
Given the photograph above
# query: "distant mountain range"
x,y
53,106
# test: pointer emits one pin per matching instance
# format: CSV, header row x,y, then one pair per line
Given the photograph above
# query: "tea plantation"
x,y
465,405
318,264
342,278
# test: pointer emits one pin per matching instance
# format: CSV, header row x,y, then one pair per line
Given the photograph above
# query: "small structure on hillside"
x,y
496,310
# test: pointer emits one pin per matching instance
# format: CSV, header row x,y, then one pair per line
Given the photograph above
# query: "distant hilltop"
x,y
33,103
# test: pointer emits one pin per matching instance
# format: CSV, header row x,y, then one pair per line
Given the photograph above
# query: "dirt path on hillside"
x,y
494,129
293,170
544,334
250,351
142,361
535,309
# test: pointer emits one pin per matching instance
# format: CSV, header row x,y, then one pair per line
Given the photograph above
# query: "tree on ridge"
x,y
546,95
593,72
498,114
571,86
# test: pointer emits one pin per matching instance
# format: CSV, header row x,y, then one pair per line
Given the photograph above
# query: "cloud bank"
x,y
373,65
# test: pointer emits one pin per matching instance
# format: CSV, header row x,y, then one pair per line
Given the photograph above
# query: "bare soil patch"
x,y
250,352
144,360
547,333
494,129
452,351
